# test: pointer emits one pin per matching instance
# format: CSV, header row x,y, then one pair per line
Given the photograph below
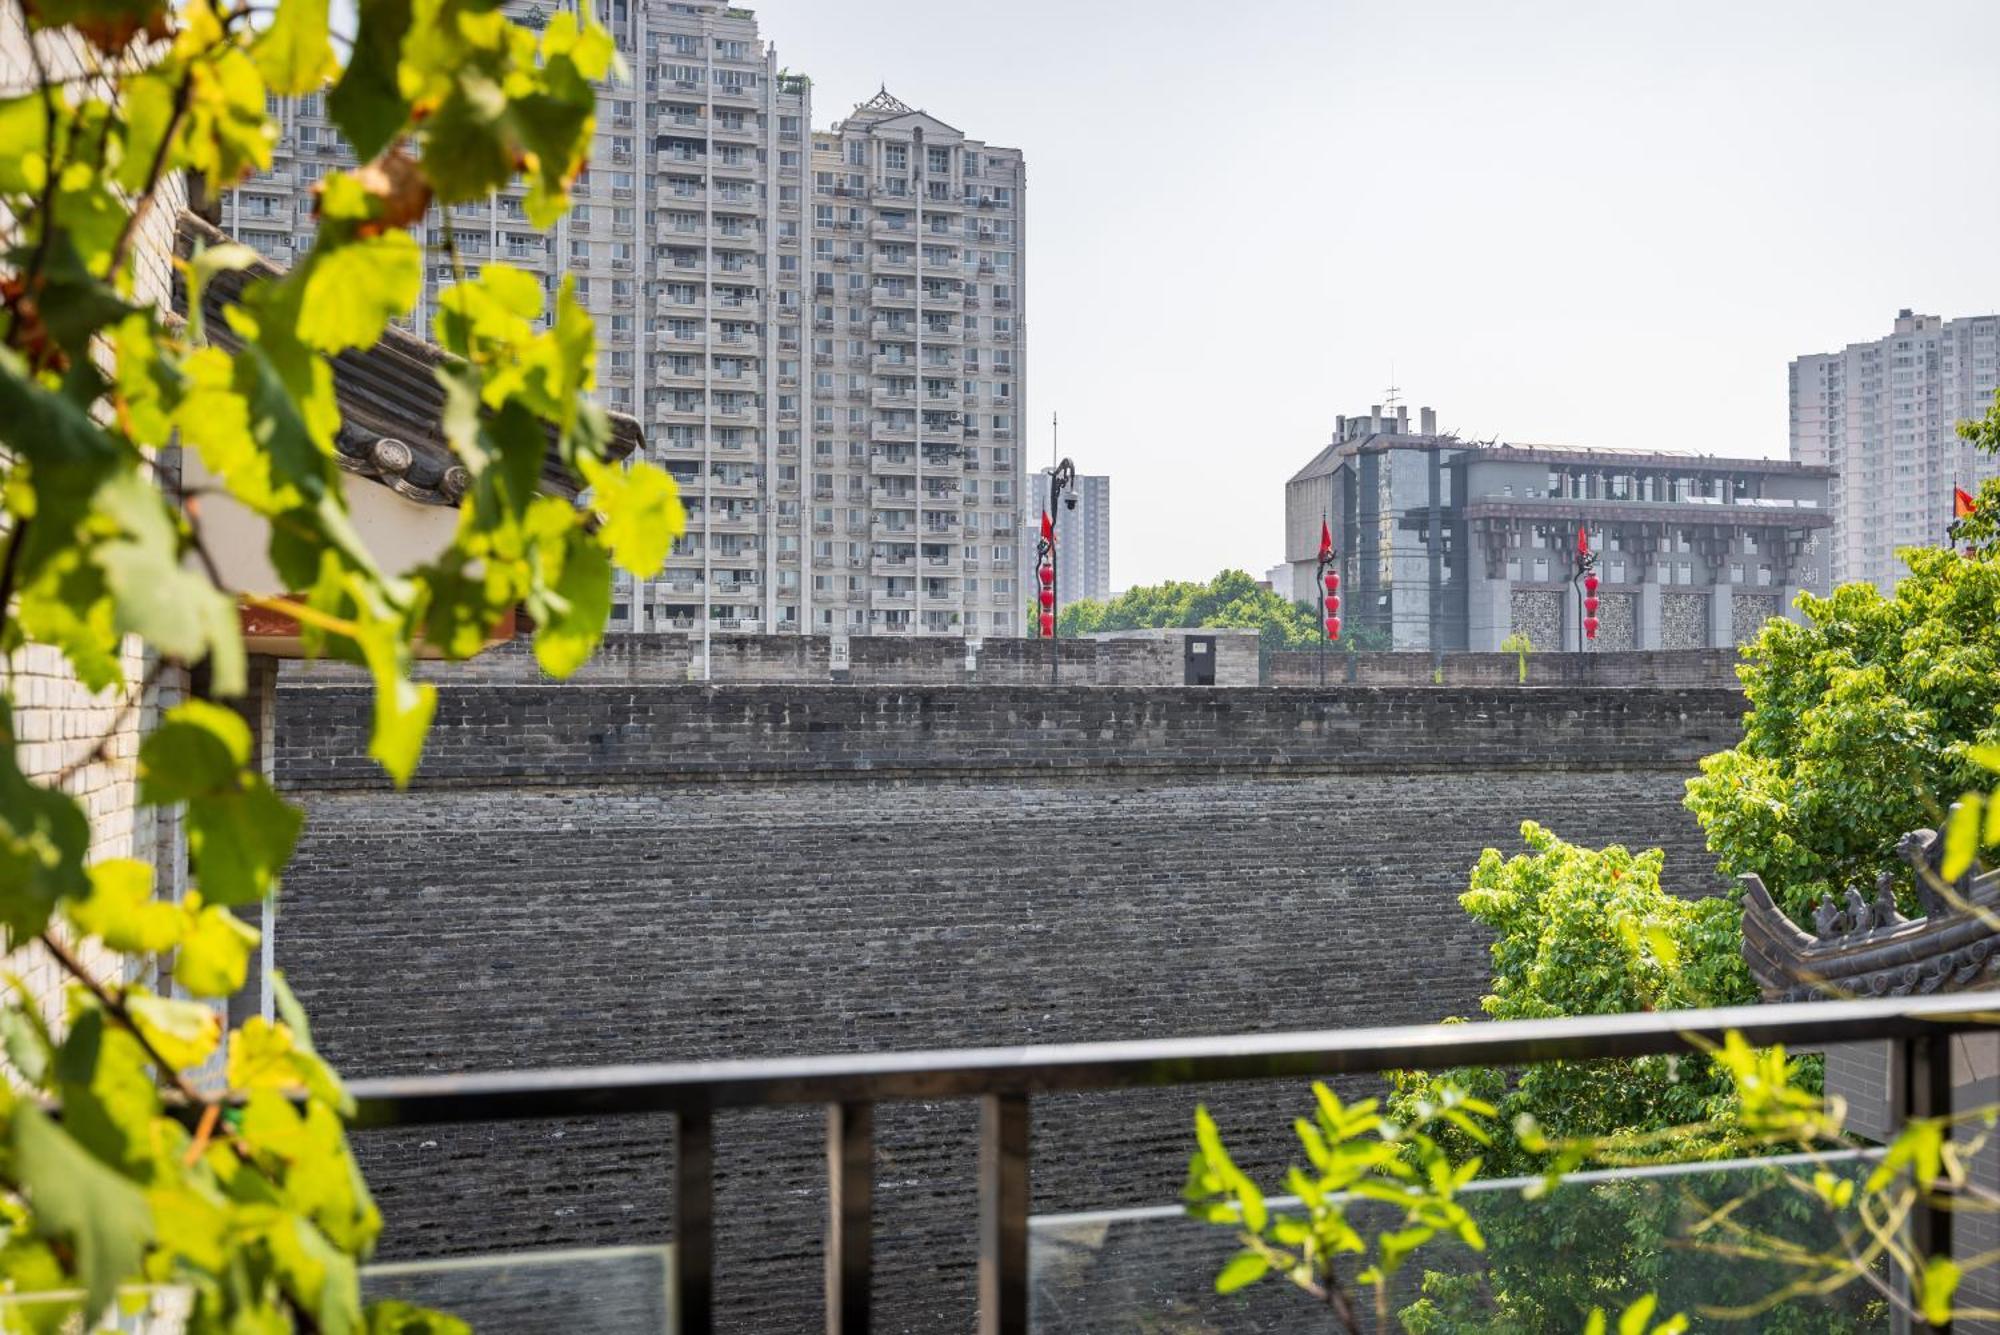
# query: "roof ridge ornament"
x,y
884,100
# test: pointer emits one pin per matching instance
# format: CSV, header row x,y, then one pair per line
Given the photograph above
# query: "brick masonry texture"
x,y
1138,660
582,875
1645,669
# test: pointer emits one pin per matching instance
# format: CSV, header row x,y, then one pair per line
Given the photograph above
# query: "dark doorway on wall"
x,y
1200,659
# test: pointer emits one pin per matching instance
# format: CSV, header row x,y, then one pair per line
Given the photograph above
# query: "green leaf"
x,y
101,1216
403,708
641,511
1636,1317
1244,1269
43,837
185,1033
1941,1277
200,748
1594,1324
393,1316
1961,837
367,104
294,52
121,911
175,609
570,618
1664,947
354,289
240,841
214,956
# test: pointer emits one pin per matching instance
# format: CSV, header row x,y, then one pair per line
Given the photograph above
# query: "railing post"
x,y
1003,1214
850,1173
1926,1092
694,1221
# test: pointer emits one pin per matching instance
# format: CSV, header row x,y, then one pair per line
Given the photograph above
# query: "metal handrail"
x,y
1006,1079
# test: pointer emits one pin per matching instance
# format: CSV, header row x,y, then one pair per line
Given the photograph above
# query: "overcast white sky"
x,y
1572,222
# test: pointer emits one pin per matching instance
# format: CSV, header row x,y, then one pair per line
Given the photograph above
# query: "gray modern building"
x,y
1083,535
1444,544
1884,415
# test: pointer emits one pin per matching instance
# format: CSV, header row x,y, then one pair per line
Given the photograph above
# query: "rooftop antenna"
x,y
1393,395
1055,432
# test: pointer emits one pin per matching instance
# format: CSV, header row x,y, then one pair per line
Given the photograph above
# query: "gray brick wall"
x,y
1598,670
992,867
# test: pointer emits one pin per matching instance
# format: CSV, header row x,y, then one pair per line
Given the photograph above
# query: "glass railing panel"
x,y
1600,1238
612,1290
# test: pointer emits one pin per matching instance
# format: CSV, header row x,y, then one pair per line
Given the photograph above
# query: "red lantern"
x,y
1332,581
1333,628
1590,582
1590,605
1048,625
1332,604
1048,597
1590,628
1047,574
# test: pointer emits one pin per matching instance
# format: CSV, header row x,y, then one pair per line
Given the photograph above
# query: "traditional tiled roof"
x,y
391,404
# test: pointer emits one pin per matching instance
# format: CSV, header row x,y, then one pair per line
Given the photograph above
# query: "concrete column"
x,y
1722,615
1489,612
1646,608
1572,620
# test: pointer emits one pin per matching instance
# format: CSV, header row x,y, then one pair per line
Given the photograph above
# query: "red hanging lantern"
x,y
1332,581
1332,604
1333,628
1048,597
1590,605
1048,625
1047,574
1590,582
1590,628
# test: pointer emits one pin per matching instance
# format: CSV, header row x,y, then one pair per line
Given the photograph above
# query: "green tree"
x,y
1231,599
1864,719
1581,931
242,1187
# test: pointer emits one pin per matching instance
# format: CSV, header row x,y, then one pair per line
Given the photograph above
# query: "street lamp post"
x,y
1062,490
1583,578
1329,593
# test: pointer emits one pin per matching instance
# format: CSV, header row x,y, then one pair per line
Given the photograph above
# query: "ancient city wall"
x,y
1634,669
587,874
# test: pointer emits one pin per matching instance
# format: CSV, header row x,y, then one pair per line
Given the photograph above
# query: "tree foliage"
x,y
180,1154
1865,720
1232,598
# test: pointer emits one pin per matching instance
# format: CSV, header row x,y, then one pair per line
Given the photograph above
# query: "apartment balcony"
x,y
902,366
735,413
888,600
892,398
950,331
942,498
885,462
890,566
891,431
744,485
894,329
724,522
952,433
883,231
735,95
679,339
888,297
942,269
890,498
746,133
881,532
672,414
737,345
951,299
894,264
735,199
738,238
890,198
694,377
942,201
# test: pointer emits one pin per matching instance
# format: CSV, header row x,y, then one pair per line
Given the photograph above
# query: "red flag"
x,y
1325,539
1963,502
1582,541
1048,527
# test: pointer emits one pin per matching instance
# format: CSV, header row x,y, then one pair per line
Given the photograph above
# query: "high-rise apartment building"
x,y
1884,416
821,332
917,377
1083,535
